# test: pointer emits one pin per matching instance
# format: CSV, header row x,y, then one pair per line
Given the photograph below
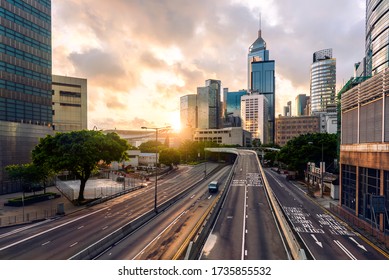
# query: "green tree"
x,y
256,142
151,147
79,152
169,157
308,148
29,174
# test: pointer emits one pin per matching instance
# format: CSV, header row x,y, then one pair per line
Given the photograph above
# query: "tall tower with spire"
x,y
261,80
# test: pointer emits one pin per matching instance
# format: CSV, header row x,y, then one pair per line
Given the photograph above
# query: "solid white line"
x,y
46,231
344,249
24,228
244,223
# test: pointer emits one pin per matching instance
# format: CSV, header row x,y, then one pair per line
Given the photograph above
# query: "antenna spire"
x,y
260,25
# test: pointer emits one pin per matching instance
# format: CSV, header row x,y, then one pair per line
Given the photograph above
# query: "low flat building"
x,y
288,128
226,136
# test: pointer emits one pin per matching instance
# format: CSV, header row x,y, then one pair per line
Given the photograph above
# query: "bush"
x,y
28,200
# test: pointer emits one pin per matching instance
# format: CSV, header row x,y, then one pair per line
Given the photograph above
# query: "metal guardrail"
x,y
196,239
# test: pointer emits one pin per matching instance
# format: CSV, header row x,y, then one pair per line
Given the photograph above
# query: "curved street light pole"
x,y
156,161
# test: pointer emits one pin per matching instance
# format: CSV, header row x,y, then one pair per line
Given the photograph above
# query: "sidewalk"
x,y
10,215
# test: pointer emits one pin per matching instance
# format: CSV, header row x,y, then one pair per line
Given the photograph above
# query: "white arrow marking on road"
x,y
359,245
317,242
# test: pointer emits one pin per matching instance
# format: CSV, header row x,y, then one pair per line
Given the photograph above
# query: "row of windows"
x,y
31,10
70,105
214,132
70,94
9,68
16,110
25,23
24,39
24,88
24,56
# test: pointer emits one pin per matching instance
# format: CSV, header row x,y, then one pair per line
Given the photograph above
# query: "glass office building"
x,y
209,111
377,36
25,80
323,81
261,79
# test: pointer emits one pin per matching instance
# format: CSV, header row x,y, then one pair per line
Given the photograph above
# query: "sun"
x,y
175,121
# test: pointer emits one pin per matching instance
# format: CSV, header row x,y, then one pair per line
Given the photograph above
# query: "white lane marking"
x,y
80,227
54,228
359,245
245,252
344,249
104,227
209,197
74,244
244,223
45,243
159,235
317,241
193,196
24,228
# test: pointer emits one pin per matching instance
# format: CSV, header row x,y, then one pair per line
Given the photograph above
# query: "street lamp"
x,y
156,160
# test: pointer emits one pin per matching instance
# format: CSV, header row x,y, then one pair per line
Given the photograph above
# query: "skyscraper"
x,y
254,112
261,79
323,81
25,81
377,36
208,105
188,111
232,104
301,103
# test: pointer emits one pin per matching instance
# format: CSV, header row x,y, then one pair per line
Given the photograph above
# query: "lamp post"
x,y
156,160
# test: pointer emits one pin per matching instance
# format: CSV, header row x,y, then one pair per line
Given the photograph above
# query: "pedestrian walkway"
x,y
10,215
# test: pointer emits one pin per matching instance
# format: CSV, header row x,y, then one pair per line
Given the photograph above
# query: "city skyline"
x,y
141,57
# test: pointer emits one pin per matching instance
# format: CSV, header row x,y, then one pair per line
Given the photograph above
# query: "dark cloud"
x,y
94,63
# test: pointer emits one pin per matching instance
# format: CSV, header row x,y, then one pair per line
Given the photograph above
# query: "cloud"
x,y
141,56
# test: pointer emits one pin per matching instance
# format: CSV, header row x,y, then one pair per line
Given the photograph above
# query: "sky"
x,y
140,56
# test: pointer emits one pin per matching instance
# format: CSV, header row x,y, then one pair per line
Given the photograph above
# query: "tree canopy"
x,y
79,152
28,174
169,156
151,146
308,148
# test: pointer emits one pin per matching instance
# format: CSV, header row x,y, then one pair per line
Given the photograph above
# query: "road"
x,y
246,228
63,238
325,237
161,237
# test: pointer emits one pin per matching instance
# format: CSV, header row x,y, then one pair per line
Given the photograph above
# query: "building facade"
x,y
232,110
323,81
209,110
301,104
188,111
226,136
25,81
255,118
70,112
377,36
364,151
288,128
261,79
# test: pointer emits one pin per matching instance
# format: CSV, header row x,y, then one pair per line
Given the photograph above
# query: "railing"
x,y
360,225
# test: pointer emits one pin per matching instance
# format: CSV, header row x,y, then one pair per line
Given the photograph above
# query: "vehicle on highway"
x,y
213,187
